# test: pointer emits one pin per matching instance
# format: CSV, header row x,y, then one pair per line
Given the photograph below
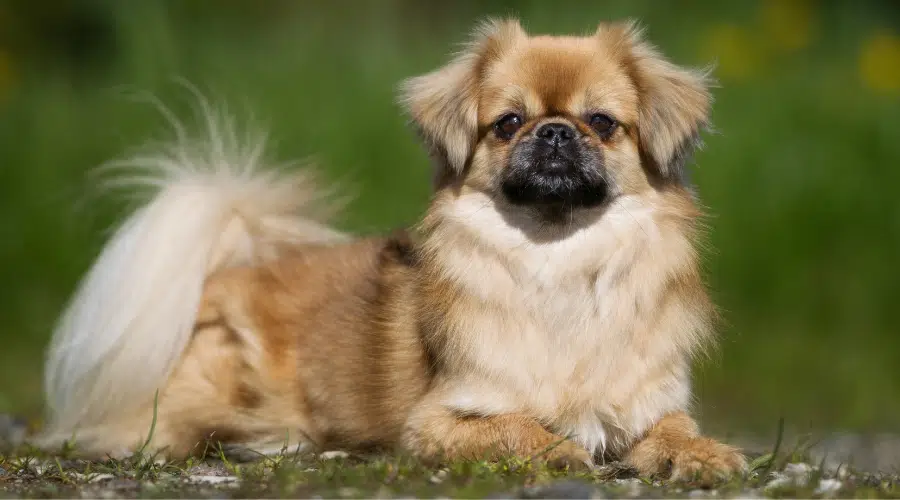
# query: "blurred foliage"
x,y
800,178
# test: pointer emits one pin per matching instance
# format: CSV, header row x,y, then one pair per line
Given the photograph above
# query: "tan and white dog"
x,y
547,306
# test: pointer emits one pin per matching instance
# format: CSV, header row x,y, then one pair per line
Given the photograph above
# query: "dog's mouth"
x,y
555,179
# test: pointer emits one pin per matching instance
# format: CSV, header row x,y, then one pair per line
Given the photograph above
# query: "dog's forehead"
x,y
561,74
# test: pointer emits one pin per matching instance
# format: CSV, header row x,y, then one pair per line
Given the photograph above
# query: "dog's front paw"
x,y
568,456
706,461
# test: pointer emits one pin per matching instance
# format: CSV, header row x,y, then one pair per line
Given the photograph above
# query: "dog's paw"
x,y
568,456
705,461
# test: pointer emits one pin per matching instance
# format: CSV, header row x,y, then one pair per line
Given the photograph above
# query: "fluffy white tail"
x,y
213,205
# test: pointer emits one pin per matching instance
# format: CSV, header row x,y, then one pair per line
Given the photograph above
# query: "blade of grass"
x,y
152,424
778,438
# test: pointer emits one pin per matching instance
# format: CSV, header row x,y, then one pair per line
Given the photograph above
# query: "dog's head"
x,y
559,121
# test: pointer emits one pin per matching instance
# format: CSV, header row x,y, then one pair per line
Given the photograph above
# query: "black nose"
x,y
555,134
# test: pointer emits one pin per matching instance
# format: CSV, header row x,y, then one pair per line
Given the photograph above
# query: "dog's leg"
x,y
675,444
434,431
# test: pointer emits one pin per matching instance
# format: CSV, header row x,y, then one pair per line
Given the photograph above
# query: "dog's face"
x,y
554,122
559,122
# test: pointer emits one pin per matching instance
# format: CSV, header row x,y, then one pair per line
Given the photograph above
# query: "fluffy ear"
x,y
674,101
443,104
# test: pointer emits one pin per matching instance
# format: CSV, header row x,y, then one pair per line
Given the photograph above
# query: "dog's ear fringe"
x,y
442,104
675,101
493,29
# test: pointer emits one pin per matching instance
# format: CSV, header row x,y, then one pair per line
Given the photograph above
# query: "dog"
x,y
548,305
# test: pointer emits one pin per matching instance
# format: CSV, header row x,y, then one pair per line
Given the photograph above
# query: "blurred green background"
x,y
801,177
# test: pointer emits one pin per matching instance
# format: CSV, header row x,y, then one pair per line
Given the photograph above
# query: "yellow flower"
x,y
736,55
788,24
879,62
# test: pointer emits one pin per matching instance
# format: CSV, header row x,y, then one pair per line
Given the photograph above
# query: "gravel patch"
x,y
872,452
331,455
214,479
840,466
329,478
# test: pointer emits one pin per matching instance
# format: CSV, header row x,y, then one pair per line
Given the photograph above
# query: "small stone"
x,y
204,469
827,486
843,472
40,468
331,455
213,479
798,469
92,478
779,481
795,474
438,477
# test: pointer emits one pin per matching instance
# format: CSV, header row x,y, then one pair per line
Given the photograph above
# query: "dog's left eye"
x,y
604,125
507,126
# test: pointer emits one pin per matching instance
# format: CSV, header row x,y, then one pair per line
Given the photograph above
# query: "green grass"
x,y
800,179
782,471
30,474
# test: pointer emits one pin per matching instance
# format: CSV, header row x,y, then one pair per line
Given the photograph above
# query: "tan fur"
x,y
489,331
674,445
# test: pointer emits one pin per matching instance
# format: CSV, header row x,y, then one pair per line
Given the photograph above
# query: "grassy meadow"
x,y
800,177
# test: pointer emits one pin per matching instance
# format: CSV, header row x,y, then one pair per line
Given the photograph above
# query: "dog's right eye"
x,y
507,126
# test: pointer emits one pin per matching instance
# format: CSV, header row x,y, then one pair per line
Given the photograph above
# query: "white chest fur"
x,y
573,331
